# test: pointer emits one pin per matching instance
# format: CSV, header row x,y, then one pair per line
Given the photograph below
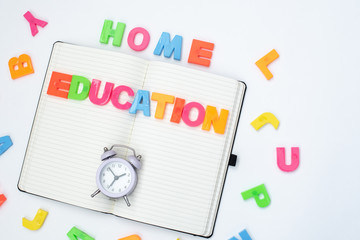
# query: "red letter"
x,y
177,111
59,84
200,51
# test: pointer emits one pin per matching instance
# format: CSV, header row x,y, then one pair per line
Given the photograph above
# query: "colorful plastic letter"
x,y
76,234
37,222
5,144
2,199
21,66
263,62
59,84
256,192
169,46
131,39
75,85
212,117
201,52
132,237
116,33
94,91
265,118
162,100
243,235
177,111
116,95
281,162
33,22
186,112
141,102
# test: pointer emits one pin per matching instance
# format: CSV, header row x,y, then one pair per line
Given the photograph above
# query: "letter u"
x,y
94,90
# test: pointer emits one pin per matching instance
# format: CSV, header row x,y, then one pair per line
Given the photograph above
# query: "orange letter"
x,y
211,116
200,51
21,66
177,111
162,100
59,84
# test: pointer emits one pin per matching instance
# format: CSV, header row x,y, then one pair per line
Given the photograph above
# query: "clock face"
x,y
116,178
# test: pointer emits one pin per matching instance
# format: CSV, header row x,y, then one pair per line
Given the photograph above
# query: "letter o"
x,y
145,41
186,112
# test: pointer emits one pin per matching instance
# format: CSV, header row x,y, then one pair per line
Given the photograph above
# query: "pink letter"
x,y
145,41
200,117
94,91
116,94
294,159
33,22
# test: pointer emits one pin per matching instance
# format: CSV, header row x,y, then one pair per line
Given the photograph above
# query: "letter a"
x,y
141,102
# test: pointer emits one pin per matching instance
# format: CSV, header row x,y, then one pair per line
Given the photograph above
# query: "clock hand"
x,y
111,171
117,177
112,182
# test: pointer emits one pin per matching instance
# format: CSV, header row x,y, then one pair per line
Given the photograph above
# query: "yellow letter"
x,y
212,117
162,100
37,222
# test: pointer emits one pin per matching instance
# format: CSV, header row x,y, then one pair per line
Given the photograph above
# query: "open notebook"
x,y
184,168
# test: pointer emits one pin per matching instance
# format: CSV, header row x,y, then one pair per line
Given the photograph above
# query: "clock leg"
x,y
127,201
95,193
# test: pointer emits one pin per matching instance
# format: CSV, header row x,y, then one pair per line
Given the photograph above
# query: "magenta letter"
x,y
145,41
200,117
116,94
294,159
33,22
94,91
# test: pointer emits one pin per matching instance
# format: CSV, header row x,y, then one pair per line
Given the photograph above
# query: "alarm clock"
x,y
117,177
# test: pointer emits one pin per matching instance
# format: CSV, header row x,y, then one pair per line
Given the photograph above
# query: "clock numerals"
x,y
116,177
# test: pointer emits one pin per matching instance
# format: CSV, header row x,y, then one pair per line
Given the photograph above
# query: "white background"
x,y
314,93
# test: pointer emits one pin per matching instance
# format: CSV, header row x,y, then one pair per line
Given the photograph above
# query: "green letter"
x,y
108,32
255,192
74,88
75,234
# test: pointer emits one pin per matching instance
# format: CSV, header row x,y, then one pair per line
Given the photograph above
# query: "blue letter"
x,y
5,144
243,235
141,102
169,47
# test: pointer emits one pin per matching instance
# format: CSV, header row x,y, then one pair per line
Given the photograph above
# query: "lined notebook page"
x,y
68,136
183,167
